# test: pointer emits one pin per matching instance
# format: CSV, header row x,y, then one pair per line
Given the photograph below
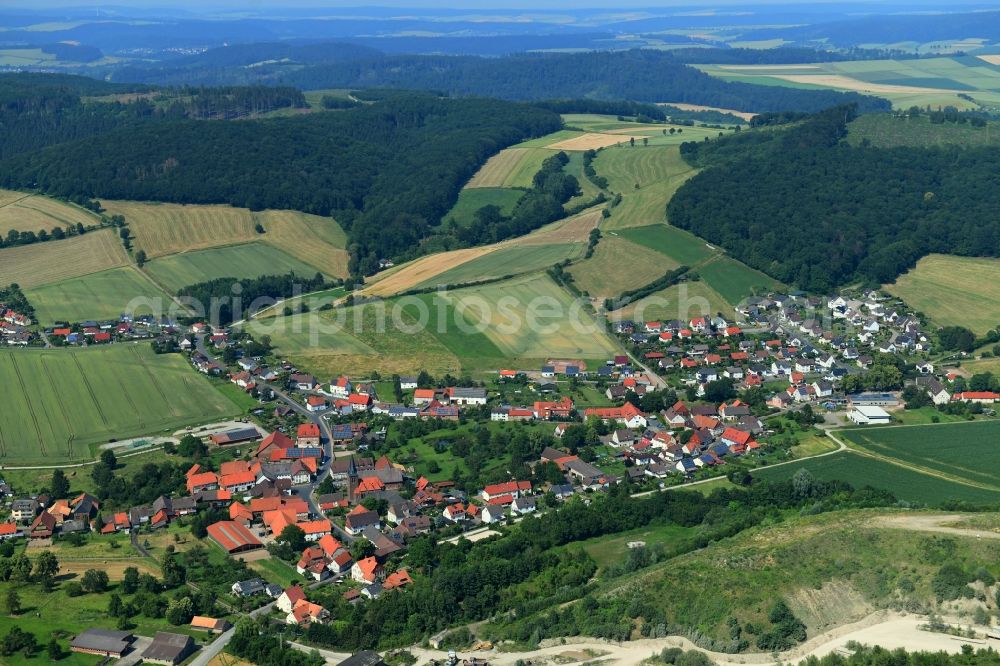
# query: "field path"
x,y
862,451
933,523
34,417
888,629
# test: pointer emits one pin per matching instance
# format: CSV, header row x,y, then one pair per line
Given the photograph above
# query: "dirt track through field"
x,y
934,523
890,630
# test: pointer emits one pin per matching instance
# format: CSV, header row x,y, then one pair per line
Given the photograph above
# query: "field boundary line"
x,y
34,418
862,451
90,389
65,418
156,383
11,203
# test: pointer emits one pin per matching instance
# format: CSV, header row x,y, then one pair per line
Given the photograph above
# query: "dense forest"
x,y
387,172
639,75
802,205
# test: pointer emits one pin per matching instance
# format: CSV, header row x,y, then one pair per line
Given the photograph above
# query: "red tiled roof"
x,y
232,535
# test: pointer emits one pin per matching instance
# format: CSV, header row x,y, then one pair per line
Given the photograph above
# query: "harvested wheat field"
x,y
53,261
420,270
161,229
993,59
512,167
574,229
745,115
753,68
847,83
317,241
592,141
28,212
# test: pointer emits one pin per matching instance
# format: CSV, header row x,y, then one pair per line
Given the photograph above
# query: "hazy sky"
x,y
274,7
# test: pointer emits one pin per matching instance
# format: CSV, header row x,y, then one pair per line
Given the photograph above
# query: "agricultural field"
x,y
587,189
30,212
511,167
351,340
953,290
317,241
103,295
64,401
646,177
248,260
472,199
428,270
883,129
735,281
507,260
681,246
619,265
929,81
604,130
681,301
906,483
959,451
53,261
522,324
162,229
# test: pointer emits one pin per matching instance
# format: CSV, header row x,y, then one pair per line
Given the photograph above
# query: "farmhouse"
x,y
981,397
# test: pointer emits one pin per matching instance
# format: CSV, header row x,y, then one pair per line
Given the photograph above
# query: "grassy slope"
x,y
507,261
240,261
830,569
657,170
67,400
28,212
619,265
953,291
53,261
103,295
473,198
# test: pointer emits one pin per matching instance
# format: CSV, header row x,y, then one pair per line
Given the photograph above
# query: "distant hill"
x,y
637,75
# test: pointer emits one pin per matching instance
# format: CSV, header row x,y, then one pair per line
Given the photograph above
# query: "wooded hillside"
x,y
802,205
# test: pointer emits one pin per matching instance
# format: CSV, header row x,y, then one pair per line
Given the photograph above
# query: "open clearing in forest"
x,y
953,291
31,212
53,261
511,167
61,402
472,199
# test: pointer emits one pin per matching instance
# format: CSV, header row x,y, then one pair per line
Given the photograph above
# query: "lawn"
x,y
97,296
953,291
683,247
619,265
608,550
509,260
63,401
735,281
646,177
906,484
964,450
532,317
472,199
276,571
248,260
